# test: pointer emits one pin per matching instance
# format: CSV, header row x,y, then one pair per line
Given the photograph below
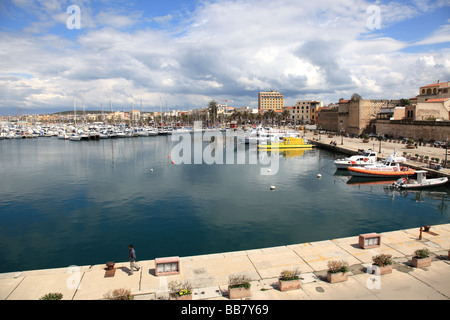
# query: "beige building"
x,y
432,103
305,111
433,109
270,100
433,91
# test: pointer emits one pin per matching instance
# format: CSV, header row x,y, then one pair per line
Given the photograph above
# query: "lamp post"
x,y
379,138
446,152
342,133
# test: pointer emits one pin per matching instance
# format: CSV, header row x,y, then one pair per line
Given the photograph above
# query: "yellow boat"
x,y
288,143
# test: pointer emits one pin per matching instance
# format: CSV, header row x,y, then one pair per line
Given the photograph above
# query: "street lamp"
x,y
342,133
446,152
380,137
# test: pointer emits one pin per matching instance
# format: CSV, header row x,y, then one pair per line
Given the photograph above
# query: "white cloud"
x,y
224,49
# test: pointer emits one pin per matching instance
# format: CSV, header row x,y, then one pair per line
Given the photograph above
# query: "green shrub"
x,y
52,296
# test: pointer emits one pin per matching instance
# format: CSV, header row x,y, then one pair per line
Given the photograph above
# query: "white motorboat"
x,y
368,157
419,183
75,137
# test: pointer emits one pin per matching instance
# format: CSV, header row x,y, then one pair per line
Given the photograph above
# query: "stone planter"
x,y
337,277
366,140
381,270
420,263
238,293
175,296
286,285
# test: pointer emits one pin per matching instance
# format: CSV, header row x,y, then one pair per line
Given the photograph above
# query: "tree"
x,y
286,115
404,102
213,109
356,96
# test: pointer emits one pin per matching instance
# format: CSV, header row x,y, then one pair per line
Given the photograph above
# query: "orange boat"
x,y
389,169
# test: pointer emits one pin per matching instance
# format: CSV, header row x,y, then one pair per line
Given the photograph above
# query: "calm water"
x,y
79,203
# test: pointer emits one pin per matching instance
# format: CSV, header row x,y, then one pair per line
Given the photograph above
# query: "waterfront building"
x,y
434,91
270,100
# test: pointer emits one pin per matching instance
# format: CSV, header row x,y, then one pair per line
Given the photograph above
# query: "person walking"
x,y
132,257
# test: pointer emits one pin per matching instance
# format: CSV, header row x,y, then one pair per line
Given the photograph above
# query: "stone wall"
x,y
328,119
417,130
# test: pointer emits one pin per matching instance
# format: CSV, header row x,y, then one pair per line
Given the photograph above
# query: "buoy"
x,y
151,170
168,157
172,161
319,176
268,170
272,187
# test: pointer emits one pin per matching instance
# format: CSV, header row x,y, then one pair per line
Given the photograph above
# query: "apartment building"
x,y
270,100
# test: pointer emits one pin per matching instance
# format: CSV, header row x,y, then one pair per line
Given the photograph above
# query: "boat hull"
x,y
284,147
372,173
429,183
347,164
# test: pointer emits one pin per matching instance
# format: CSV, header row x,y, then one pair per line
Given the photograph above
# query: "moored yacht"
x,y
368,157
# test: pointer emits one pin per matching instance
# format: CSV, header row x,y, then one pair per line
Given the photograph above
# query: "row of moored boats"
x,y
366,165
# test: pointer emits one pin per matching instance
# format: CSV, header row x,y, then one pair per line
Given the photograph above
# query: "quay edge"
x,y
209,274
352,151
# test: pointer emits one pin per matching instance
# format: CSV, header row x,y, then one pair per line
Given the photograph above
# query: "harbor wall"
x,y
417,130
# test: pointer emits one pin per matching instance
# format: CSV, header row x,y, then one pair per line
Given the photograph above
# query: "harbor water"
x,y
66,203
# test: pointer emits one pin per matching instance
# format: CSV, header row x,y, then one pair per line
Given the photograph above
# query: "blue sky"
x,y
184,53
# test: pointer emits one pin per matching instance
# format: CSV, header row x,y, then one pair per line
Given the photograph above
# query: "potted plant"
x,y
410,144
337,271
180,290
366,138
119,294
382,263
421,258
239,286
289,280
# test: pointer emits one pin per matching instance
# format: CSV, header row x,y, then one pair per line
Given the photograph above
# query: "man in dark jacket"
x,y
132,257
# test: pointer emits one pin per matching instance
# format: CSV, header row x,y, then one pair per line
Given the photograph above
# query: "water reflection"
x,y
80,203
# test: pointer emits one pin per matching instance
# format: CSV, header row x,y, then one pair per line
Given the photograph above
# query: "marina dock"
x,y
208,274
352,146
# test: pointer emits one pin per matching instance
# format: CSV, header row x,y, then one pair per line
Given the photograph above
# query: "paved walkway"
x,y
209,273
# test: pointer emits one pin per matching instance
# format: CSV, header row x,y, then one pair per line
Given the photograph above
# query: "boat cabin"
x,y
293,141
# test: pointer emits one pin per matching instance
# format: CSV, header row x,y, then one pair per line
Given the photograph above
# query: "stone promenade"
x,y
209,274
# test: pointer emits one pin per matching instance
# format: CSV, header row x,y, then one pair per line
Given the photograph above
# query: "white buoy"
x,y
272,187
319,176
151,170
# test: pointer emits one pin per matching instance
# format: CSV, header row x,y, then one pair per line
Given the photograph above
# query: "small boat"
x,y
368,157
419,183
75,137
390,168
288,143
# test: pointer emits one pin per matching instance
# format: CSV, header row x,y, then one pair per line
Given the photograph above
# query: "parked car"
x,y
438,144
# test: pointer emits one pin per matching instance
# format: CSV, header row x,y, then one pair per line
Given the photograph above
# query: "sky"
x,y
164,55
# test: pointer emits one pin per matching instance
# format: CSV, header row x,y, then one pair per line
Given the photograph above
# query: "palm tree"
x,y
286,115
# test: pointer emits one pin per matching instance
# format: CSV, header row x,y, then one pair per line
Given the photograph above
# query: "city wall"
x,y
417,130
